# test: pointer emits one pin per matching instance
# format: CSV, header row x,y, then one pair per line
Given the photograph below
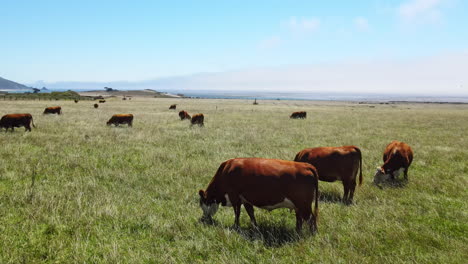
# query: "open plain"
x,y
76,191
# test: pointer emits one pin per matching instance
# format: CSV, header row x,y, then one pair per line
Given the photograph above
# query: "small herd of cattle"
x,y
196,119
272,183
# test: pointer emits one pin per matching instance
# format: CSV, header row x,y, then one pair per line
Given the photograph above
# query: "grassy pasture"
x,y
76,191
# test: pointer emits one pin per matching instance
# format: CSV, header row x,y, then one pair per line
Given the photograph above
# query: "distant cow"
x,y
397,158
102,101
336,163
198,119
297,115
184,115
16,120
264,183
121,119
173,106
53,110
76,101
96,105
124,98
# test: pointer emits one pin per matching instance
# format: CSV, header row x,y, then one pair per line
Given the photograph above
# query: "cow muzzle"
x,y
380,176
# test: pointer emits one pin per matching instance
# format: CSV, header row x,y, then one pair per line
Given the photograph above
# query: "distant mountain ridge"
x,y
7,85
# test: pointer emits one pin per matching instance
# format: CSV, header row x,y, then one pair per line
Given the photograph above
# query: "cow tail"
x,y
316,196
316,181
360,165
32,122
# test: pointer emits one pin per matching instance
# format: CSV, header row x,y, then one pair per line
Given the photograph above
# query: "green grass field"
x,y
76,191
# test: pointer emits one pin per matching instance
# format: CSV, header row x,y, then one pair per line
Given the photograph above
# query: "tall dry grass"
x,y
75,190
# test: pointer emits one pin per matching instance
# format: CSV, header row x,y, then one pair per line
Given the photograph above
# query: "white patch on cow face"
x,y
228,202
380,177
398,172
209,209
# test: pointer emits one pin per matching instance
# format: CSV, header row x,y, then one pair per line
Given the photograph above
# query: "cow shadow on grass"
x,y
397,183
270,235
330,197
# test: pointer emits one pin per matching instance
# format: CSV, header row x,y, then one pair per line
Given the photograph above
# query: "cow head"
x,y
381,176
209,206
3,124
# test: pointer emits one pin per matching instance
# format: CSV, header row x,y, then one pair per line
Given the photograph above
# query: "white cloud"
x,y
270,43
361,24
421,10
437,75
302,25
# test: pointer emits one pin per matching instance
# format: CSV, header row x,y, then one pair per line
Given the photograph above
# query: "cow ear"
x,y
201,193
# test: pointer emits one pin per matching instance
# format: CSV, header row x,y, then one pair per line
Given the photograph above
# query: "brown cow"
x,y
296,115
96,105
264,183
16,120
336,163
121,119
76,101
53,110
397,158
198,119
184,115
102,101
173,106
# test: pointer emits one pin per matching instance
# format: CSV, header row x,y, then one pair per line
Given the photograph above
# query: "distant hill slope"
x,y
6,85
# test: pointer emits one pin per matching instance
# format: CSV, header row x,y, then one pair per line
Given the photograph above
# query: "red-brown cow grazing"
x,y
198,119
336,163
264,183
16,120
173,106
96,105
397,158
184,115
296,115
76,101
53,110
121,119
102,101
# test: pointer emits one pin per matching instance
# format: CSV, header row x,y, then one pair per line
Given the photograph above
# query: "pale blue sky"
x,y
140,40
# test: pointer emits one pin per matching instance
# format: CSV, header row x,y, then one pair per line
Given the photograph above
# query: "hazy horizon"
x,y
373,46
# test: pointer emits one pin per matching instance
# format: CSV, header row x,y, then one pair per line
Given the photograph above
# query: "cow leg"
x,y
237,209
406,174
312,221
352,187
303,214
236,204
346,191
298,221
250,210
